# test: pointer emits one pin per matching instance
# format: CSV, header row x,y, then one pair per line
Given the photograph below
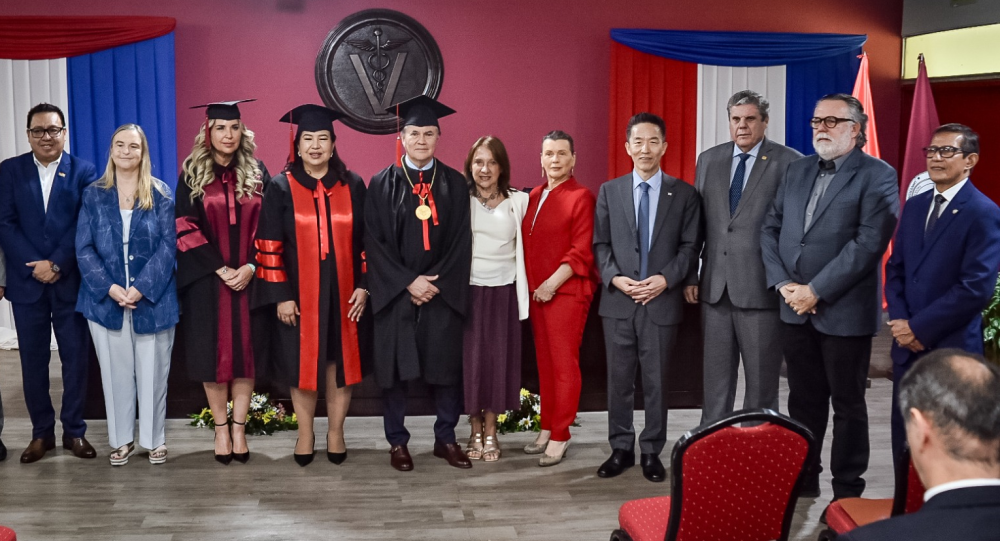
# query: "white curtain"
x,y
24,84
716,84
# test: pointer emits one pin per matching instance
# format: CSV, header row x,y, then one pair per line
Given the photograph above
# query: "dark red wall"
x,y
974,104
515,69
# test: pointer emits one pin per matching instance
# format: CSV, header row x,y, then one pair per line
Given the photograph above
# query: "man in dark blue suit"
x,y
949,400
944,263
40,194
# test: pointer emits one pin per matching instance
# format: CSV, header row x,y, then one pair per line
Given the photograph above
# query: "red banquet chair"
x,y
728,483
849,513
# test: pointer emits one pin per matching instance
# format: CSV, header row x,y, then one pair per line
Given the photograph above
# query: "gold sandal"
x,y
158,455
491,450
120,456
474,449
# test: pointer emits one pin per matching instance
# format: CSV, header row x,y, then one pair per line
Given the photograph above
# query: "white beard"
x,y
829,149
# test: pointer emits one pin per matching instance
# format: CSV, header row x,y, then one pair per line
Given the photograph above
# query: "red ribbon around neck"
x,y
423,191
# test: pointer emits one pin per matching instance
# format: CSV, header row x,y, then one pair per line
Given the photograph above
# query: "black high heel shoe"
x,y
242,458
336,458
304,460
224,459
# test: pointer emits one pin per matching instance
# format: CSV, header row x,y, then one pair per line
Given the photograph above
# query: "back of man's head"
x,y
958,393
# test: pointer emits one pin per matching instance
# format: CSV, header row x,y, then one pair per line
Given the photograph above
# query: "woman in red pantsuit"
x,y
558,230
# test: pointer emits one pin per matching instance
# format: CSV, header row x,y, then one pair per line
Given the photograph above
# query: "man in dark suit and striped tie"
x,y
646,235
737,181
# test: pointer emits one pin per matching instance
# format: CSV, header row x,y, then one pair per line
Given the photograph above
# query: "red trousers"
x,y
557,327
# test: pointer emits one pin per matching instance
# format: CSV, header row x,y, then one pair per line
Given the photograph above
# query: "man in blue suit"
x,y
944,263
40,194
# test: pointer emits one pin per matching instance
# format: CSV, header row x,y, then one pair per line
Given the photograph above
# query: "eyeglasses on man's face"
x,y
944,152
829,121
52,131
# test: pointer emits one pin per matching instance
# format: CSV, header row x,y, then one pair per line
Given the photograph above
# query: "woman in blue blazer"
x,y
125,245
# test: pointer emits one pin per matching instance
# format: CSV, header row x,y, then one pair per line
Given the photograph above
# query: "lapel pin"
x,y
62,174
670,193
763,157
954,211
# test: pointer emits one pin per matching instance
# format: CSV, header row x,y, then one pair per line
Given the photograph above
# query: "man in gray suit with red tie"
x,y
646,235
737,181
822,242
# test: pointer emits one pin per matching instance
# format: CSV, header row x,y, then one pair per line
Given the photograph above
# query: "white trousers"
x,y
134,366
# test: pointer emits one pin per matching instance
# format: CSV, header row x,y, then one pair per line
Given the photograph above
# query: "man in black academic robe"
x,y
419,255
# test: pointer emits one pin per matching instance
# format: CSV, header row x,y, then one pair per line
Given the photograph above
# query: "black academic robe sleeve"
x,y
273,275
358,195
453,270
389,275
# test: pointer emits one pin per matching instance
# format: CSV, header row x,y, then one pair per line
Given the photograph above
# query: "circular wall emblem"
x,y
373,59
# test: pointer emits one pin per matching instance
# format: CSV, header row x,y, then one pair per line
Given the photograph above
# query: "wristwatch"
x,y
55,268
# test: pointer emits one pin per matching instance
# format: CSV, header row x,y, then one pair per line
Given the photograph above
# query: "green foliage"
x,y
264,418
991,327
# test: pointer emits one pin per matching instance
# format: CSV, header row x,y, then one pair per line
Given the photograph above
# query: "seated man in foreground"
x,y
949,403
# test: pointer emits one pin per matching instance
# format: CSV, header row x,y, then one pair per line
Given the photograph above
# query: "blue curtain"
x,y
132,83
815,64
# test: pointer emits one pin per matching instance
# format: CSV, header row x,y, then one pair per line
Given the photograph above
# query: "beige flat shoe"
x,y
552,460
538,446
491,450
474,449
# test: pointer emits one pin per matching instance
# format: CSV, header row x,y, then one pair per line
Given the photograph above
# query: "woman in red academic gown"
x,y
310,265
217,208
558,231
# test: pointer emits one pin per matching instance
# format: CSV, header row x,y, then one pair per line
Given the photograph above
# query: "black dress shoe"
x,y
618,462
652,468
336,458
3,451
242,458
810,487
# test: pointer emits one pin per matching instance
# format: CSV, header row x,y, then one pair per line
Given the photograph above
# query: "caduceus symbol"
x,y
379,60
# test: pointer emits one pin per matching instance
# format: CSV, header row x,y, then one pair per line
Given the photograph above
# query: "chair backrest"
x,y
909,494
732,482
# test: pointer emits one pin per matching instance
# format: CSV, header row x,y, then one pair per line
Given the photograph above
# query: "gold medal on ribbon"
x,y
423,213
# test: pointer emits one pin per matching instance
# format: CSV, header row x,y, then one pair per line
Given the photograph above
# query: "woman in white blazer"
x,y
499,296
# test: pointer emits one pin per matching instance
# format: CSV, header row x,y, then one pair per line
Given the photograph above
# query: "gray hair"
x,y
749,97
958,392
857,114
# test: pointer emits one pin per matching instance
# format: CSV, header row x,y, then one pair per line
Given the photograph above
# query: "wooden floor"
x,y
192,497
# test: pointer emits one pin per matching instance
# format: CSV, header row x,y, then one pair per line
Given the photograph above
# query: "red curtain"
x,y
38,38
668,88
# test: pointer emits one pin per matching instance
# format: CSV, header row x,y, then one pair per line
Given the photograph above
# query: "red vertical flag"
x,y
923,122
863,92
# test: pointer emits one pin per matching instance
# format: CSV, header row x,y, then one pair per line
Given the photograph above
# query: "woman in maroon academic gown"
x,y
312,277
217,206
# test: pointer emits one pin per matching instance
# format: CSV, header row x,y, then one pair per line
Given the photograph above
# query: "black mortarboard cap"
x,y
420,111
223,110
309,117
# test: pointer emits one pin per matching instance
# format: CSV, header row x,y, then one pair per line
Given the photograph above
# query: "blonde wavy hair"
x,y
198,171
144,190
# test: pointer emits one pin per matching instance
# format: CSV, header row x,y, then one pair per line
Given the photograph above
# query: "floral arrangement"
x,y
265,418
525,419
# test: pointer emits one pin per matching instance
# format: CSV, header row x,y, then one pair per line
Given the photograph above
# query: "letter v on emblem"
x,y
390,87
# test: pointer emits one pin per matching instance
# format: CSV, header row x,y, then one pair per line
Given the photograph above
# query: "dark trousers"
x,y
825,369
897,423
447,401
634,344
35,323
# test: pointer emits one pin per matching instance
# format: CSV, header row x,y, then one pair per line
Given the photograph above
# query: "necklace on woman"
x,y
128,199
485,200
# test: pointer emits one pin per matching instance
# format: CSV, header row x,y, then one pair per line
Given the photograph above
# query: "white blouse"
x,y
126,226
494,245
